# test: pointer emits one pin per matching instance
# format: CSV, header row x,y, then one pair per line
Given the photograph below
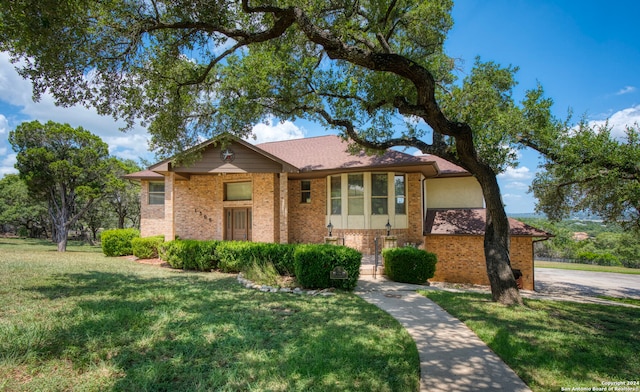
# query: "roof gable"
x,y
236,156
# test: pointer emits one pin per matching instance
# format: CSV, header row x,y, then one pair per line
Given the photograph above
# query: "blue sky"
x,y
586,54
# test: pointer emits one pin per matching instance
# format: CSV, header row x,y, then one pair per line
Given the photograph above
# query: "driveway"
x,y
586,283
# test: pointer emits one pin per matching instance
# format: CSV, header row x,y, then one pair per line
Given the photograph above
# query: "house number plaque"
x,y
339,273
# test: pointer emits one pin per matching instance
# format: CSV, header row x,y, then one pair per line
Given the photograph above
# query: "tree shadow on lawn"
x,y
559,343
196,333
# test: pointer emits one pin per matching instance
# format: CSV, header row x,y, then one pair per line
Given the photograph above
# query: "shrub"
x,y
147,247
190,254
598,258
409,265
314,263
237,256
117,242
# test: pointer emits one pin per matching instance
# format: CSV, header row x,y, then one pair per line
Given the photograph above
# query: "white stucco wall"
x,y
457,192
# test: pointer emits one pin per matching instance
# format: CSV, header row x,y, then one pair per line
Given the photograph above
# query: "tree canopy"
x,y
64,166
587,169
374,70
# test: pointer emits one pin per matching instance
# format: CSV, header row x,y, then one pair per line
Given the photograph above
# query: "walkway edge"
x,y
452,357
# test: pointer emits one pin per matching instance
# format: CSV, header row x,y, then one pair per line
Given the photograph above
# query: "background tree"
x,y
18,211
124,195
588,170
64,166
374,70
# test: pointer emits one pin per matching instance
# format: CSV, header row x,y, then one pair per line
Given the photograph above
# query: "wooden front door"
x,y
238,224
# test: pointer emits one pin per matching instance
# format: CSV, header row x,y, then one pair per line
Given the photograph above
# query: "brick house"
x,y
293,191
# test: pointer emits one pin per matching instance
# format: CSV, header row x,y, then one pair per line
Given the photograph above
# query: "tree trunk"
x,y
496,243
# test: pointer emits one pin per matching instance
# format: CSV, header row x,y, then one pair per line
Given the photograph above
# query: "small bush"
x,y
190,254
314,263
409,265
147,247
117,242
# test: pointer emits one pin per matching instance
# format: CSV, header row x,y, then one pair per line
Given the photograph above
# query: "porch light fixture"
x,y
330,227
388,226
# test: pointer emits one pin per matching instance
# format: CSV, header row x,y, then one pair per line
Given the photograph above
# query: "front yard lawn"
x,y
551,344
82,321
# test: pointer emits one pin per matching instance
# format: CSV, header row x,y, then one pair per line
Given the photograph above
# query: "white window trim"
x,y
368,221
149,193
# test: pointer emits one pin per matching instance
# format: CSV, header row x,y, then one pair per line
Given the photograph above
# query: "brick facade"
x,y
461,258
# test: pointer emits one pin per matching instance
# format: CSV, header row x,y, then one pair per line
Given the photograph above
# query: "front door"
x,y
238,224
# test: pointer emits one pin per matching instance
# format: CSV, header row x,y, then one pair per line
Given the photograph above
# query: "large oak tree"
x,y
374,70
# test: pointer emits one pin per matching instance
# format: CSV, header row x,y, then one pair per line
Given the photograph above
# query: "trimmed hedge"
x,y
409,265
311,264
117,242
238,256
146,247
314,263
190,254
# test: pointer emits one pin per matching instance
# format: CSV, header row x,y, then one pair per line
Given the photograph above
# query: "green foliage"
x,y
146,247
262,273
237,256
589,169
63,166
29,217
409,265
313,264
117,242
604,239
190,254
589,257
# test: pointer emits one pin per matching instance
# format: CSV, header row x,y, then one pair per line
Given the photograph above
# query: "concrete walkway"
x,y
452,357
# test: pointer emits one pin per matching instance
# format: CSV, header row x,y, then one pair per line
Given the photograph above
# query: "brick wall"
x,y
198,207
151,216
461,259
266,199
307,221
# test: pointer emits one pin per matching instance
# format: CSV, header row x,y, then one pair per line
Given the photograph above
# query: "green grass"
x,y
586,267
552,344
84,322
630,301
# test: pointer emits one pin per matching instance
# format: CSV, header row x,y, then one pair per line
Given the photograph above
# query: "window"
x,y
336,195
355,184
379,194
234,191
401,203
156,193
305,191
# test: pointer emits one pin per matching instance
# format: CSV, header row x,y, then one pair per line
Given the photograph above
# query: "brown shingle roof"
x,y
445,167
330,153
144,175
471,222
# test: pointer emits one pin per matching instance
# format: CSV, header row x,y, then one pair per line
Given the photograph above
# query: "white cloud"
x,y
17,92
272,131
626,90
517,185
6,164
4,124
620,120
519,173
511,196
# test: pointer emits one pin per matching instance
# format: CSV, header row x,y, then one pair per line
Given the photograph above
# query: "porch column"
x,y
169,215
284,208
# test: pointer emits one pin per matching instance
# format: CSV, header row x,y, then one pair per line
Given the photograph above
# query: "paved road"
x,y
566,282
